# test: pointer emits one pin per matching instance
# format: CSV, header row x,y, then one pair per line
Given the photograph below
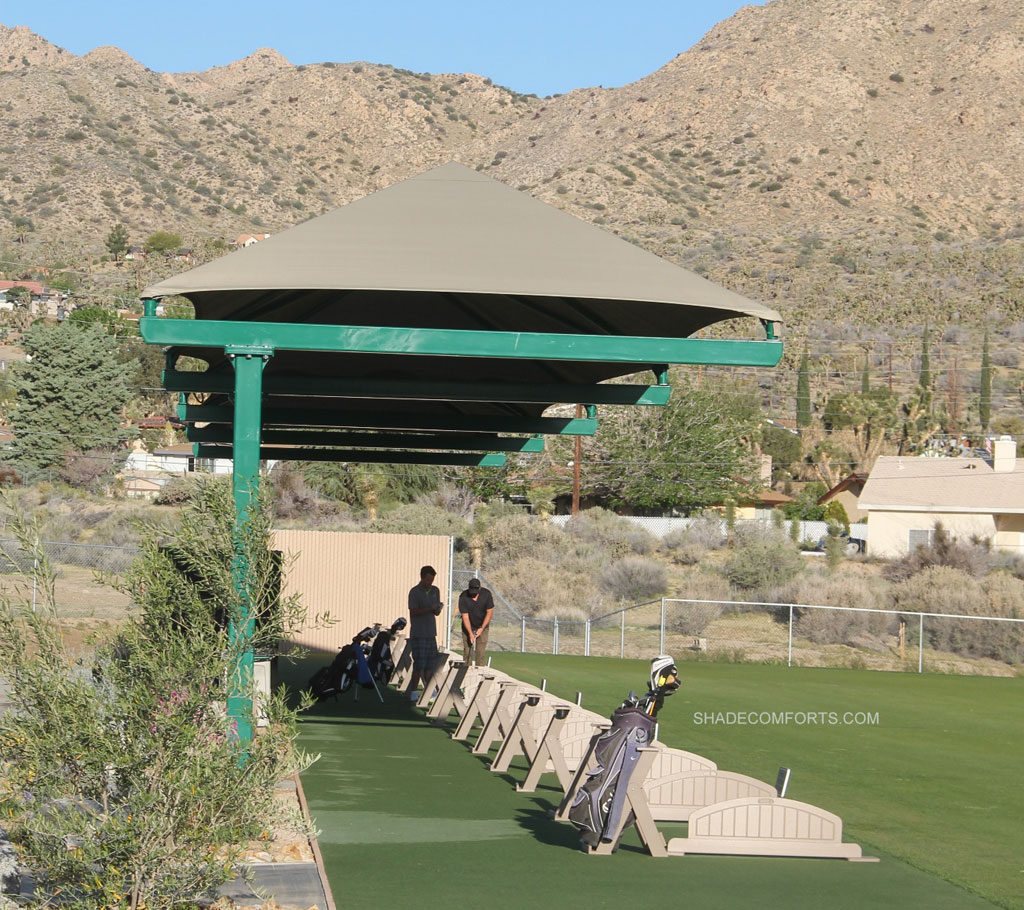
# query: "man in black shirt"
x,y
476,604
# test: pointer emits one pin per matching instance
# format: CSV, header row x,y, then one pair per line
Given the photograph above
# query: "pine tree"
x,y
70,396
803,393
985,392
117,241
924,380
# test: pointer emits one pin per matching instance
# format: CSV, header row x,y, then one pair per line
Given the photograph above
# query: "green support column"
x,y
248,364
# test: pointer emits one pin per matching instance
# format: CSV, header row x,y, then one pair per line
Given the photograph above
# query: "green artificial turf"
x,y
409,815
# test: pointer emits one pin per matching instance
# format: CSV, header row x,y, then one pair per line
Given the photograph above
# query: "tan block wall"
x,y
888,532
358,579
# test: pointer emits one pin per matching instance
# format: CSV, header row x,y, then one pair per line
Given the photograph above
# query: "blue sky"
x,y
528,45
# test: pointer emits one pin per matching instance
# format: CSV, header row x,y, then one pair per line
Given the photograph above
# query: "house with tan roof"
x,y
245,240
973,498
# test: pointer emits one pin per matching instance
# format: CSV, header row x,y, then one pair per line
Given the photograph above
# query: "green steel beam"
x,y
485,442
248,366
370,420
423,390
288,336
361,456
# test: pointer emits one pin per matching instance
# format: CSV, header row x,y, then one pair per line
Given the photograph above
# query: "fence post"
x,y
661,641
790,662
920,645
522,637
586,640
622,642
35,582
554,638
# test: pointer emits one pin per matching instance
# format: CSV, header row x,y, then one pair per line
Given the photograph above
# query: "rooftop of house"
x,y
923,484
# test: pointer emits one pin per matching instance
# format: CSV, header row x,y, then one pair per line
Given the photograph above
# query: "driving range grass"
x,y
409,815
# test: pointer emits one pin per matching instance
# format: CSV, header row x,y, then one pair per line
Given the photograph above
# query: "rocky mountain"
x,y
854,161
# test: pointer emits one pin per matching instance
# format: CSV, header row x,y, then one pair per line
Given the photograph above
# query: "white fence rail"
x,y
661,527
819,635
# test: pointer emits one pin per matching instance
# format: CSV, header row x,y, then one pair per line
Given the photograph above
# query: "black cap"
x,y
474,584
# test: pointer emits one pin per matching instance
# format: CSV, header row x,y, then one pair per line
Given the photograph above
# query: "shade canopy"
x,y
451,250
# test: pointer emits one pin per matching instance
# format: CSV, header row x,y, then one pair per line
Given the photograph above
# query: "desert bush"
x,y
539,589
294,498
144,790
688,545
762,561
971,557
634,579
861,630
451,497
508,540
90,470
692,619
614,534
416,518
942,589
180,491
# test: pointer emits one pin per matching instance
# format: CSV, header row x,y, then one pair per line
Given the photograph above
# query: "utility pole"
x,y
576,467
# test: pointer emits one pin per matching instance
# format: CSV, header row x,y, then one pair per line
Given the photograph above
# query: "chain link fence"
x,y
80,598
809,635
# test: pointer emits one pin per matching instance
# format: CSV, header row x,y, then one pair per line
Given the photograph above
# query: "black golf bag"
x,y
600,802
381,661
338,676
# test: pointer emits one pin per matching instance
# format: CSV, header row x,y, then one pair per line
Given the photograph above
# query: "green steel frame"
x,y
361,456
485,442
371,420
250,345
423,390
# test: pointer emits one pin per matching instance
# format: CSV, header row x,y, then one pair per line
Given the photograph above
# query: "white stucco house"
x,y
979,498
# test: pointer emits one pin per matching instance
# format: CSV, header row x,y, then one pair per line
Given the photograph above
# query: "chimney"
x,y
1004,455
766,469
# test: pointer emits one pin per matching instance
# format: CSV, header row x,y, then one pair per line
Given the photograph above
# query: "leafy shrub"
x,y
692,619
417,518
136,766
943,589
451,497
510,539
539,589
863,630
635,579
613,533
943,550
762,561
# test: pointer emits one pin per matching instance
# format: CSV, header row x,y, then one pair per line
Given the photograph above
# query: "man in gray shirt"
x,y
424,605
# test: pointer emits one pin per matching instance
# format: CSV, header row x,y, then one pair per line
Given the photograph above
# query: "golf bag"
x,y
600,802
381,661
338,676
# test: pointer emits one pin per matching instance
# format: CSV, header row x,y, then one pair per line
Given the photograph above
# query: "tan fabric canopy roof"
x,y
452,248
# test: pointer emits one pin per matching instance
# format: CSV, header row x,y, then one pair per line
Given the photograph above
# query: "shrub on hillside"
x,y
942,589
693,618
416,518
537,588
635,579
687,546
509,539
863,630
451,497
614,534
762,561
971,557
